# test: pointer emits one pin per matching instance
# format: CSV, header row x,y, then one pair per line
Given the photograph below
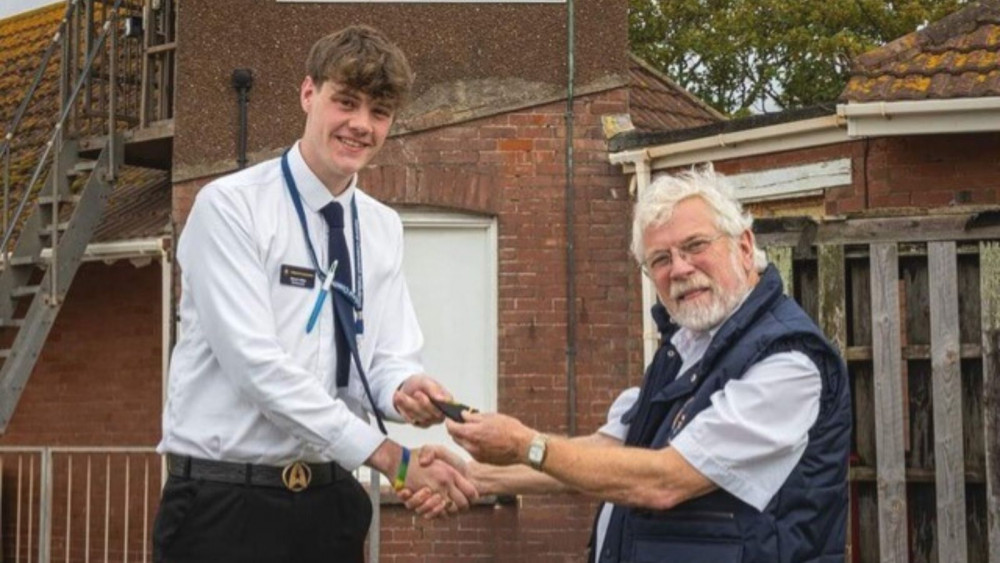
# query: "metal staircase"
x,y
103,66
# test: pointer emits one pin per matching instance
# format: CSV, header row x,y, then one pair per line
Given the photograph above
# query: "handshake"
x,y
434,481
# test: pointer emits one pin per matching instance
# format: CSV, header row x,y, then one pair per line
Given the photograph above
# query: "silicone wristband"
x,y
404,464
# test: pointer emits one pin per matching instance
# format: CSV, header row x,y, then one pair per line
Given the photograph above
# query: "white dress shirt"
x,y
247,383
745,442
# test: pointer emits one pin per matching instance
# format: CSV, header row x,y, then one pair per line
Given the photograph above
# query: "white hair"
x,y
656,206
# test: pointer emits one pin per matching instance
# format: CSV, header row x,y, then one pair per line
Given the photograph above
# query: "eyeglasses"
x,y
662,261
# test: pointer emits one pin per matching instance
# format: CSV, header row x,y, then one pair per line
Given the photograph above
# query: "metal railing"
x,y
12,128
117,67
55,138
77,503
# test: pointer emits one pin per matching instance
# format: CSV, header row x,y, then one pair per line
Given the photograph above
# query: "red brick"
x,y
515,145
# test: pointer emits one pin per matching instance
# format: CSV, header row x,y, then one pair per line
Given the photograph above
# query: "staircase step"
x,y
25,291
47,231
26,261
82,168
12,323
48,200
5,353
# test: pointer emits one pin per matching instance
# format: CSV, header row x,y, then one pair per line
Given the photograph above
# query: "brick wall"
x,y
98,380
920,172
512,166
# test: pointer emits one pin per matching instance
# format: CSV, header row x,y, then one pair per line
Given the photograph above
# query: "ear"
x,y
306,93
746,245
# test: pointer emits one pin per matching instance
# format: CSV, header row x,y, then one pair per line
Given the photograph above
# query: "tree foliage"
x,y
750,56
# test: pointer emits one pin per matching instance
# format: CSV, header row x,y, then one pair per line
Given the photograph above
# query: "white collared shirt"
x,y
757,427
247,383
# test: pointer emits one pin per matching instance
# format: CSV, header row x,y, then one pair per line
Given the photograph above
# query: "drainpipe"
x,y
570,230
166,330
242,81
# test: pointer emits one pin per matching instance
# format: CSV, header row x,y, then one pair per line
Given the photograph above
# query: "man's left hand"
x,y
492,438
412,400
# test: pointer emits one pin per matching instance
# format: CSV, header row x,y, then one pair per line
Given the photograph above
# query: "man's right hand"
x,y
426,502
440,478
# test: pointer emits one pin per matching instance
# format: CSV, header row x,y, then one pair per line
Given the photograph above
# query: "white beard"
x,y
701,316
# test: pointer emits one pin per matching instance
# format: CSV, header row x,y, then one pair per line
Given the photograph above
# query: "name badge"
x,y
297,276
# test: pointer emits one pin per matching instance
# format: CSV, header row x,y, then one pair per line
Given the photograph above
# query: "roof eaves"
x,y
633,139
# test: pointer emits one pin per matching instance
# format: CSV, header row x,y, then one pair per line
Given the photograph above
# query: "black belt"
x,y
295,476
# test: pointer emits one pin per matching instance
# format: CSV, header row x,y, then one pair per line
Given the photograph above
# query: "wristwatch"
x,y
536,451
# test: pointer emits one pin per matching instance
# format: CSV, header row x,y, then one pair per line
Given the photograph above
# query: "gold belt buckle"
x,y
296,476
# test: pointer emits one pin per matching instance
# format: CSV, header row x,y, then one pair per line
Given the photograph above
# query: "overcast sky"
x,y
10,7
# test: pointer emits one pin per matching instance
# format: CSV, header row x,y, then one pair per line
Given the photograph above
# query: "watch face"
x,y
536,452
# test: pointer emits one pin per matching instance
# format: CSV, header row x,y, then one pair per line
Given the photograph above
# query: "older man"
x,y
737,446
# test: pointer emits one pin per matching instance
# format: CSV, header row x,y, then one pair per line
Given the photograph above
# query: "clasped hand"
x,y
441,479
491,438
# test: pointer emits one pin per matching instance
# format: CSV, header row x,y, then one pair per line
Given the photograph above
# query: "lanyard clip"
x,y
321,298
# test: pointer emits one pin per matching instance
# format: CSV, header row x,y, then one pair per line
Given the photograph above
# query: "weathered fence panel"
x,y
914,304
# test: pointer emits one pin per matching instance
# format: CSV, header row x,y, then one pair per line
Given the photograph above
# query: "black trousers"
x,y
210,522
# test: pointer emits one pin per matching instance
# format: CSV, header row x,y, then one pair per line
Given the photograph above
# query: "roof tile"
x,y
958,56
657,103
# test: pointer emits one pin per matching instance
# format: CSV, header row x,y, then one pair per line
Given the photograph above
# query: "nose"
x,y
680,267
361,120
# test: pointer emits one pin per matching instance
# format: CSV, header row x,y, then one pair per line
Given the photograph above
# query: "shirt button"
x,y
671,353
694,377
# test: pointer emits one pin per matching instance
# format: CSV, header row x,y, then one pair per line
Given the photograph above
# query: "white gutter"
x,y
922,117
812,132
868,119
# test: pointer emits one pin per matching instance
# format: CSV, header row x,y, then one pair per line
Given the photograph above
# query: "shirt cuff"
x,y
734,482
385,403
356,444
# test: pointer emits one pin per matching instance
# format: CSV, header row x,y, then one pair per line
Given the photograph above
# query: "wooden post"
x,y
989,276
946,376
781,257
832,281
887,361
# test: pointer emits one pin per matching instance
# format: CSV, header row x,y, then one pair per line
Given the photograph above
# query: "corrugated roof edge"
x,y
634,139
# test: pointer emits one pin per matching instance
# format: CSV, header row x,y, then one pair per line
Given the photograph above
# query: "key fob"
x,y
452,410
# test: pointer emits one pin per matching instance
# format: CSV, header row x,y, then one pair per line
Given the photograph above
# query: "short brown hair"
x,y
361,58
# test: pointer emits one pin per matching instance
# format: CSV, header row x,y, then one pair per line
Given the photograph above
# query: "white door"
x,y
450,263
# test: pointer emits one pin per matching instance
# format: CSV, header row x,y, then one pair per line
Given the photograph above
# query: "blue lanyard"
x,y
357,298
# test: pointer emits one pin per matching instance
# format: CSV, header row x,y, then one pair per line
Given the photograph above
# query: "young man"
x,y
289,333
737,447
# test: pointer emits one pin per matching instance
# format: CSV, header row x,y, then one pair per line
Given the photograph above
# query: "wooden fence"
x,y
914,305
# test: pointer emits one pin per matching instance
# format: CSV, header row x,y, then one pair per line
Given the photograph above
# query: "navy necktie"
x,y
337,250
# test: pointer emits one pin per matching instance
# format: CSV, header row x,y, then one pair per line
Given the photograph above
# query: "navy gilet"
x,y
806,519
